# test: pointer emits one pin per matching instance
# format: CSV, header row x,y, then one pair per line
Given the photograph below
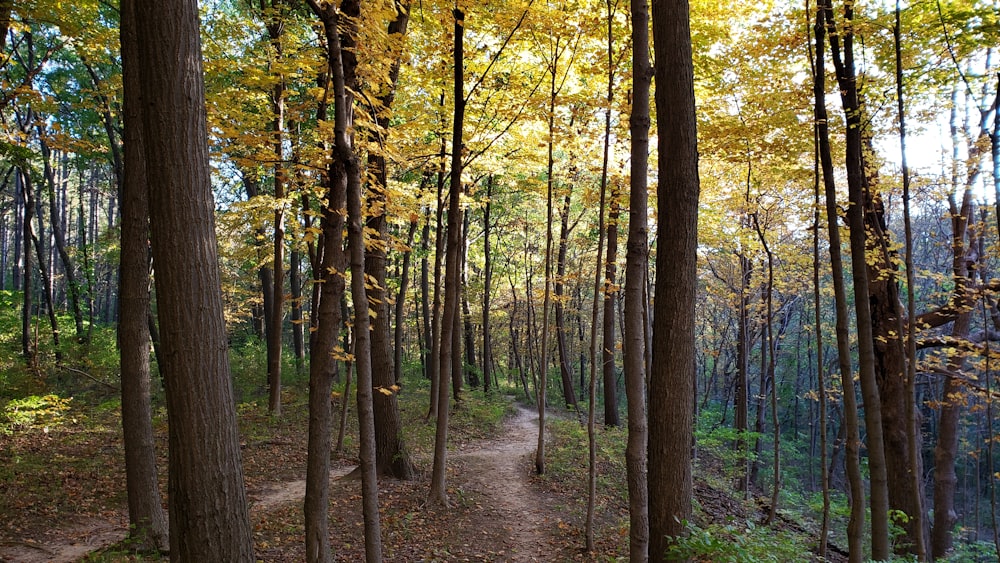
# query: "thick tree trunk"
x,y
147,519
322,366
671,389
391,455
209,520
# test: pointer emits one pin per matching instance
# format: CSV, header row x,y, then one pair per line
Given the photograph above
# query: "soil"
x,y
498,512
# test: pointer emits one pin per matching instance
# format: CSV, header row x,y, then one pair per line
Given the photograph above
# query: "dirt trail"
x,y
66,544
498,470
495,473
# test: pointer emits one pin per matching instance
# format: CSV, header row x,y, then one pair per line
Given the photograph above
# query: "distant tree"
x,y
209,520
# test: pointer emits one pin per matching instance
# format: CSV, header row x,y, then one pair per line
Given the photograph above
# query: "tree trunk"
x,y
404,283
610,302
487,286
467,330
147,519
425,300
636,258
208,505
742,399
391,455
60,240
27,350
671,389
857,188
295,285
852,440
565,369
438,493
275,28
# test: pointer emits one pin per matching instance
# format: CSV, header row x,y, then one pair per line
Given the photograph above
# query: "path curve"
x,y
499,471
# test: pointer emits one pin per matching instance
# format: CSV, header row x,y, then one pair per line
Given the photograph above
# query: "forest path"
x,y
498,470
490,478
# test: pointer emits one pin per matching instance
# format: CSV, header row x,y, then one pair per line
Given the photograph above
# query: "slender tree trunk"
x,y
295,285
742,399
275,29
856,189
671,390
438,492
60,240
27,350
425,301
634,331
610,305
487,286
404,283
852,439
914,477
565,369
44,268
818,321
467,331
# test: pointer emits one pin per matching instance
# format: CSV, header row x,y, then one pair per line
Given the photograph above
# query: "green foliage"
x,y
720,441
34,411
738,543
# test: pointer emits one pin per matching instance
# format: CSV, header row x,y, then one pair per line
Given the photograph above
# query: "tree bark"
x,y
391,455
438,492
208,505
671,381
636,259
857,190
852,445
565,369
487,286
610,304
147,519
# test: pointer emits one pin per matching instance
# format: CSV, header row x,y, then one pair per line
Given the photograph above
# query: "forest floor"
x,y
67,504
62,493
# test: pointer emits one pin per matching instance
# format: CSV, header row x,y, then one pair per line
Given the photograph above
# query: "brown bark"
x,y
147,519
438,493
671,380
610,304
636,258
852,439
565,370
208,505
391,455
858,191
